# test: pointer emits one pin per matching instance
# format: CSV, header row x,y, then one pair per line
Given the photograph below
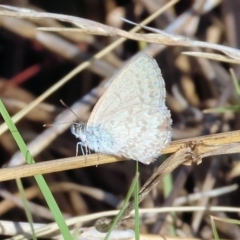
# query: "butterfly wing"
x,y
133,112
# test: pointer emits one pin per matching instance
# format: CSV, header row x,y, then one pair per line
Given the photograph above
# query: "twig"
x,y
216,144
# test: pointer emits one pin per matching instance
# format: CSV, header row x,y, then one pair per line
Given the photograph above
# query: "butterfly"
x,y
130,119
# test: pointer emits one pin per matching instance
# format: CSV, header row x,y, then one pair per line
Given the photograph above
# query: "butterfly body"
x,y
95,138
131,118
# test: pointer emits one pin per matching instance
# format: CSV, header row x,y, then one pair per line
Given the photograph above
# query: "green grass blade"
x,y
234,108
39,178
167,189
25,204
214,229
116,219
136,200
235,82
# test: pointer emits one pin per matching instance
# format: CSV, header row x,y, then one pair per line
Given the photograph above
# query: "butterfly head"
x,y
78,129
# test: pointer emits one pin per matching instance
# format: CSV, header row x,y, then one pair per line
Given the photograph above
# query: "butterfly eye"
x,y
75,129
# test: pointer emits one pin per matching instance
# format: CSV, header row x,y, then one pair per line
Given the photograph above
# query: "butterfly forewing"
x,y
140,81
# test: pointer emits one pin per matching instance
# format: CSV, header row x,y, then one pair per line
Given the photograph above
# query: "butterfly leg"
x,y
87,152
77,146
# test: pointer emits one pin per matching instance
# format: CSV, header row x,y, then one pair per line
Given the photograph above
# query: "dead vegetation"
x,y
41,66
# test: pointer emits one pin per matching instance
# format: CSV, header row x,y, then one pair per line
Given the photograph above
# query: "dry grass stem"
x,y
211,145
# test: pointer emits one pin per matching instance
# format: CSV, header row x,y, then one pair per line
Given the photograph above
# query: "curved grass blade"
x,y
39,178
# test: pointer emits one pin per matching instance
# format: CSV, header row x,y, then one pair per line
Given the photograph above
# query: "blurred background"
x,y
30,64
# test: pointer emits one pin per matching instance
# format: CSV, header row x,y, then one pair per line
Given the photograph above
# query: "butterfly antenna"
x,y
66,106
52,124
